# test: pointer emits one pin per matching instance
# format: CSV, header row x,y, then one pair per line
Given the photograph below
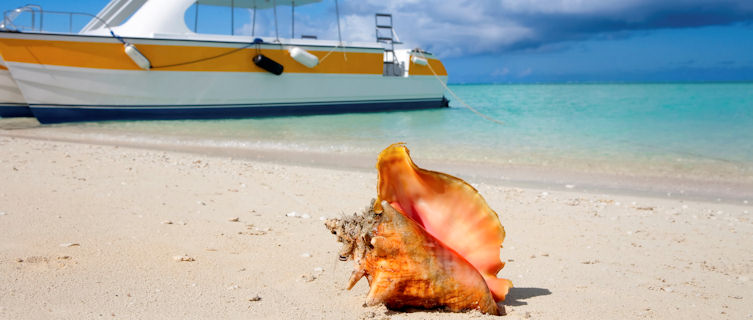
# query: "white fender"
x,y
303,57
419,60
138,58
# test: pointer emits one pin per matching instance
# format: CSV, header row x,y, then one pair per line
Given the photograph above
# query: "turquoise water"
x,y
656,129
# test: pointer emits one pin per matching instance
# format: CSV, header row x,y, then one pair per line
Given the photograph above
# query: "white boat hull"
x,y
69,86
12,103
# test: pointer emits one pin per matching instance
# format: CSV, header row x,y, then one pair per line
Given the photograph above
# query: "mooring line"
x,y
466,105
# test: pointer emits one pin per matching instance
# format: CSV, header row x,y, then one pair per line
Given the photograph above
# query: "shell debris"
x,y
183,258
69,244
308,277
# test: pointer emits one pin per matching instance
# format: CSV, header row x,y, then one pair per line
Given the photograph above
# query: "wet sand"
x,y
707,180
102,231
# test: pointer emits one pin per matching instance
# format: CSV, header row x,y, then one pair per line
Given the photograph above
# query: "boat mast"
x,y
274,9
196,18
292,19
339,34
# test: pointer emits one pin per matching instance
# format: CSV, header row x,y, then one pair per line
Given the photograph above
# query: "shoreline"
x,y
94,231
625,182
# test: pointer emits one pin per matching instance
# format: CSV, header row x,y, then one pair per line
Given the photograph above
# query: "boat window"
x,y
210,19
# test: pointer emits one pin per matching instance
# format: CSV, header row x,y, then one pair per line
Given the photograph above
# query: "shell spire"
x,y
448,208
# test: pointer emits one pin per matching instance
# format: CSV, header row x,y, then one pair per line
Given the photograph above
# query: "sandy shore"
x,y
92,231
703,178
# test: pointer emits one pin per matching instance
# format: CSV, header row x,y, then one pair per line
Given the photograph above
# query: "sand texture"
x,y
105,232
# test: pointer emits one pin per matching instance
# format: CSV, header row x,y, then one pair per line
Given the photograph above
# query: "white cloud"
x,y
358,27
468,27
462,27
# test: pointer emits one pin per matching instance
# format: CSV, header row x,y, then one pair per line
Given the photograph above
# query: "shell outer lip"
x,y
463,221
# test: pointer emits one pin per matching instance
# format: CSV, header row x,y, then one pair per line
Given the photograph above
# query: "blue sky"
x,y
524,41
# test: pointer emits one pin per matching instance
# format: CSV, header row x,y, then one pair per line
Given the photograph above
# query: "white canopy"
x,y
113,14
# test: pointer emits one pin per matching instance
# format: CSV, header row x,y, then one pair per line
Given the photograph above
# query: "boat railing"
x,y
37,15
9,16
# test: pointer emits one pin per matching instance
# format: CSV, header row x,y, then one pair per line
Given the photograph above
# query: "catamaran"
x,y
138,60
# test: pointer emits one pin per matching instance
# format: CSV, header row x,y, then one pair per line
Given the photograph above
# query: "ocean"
x,y
695,133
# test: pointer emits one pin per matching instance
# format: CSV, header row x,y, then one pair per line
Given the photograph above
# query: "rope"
x,y
119,38
123,41
203,59
466,105
339,33
253,24
328,53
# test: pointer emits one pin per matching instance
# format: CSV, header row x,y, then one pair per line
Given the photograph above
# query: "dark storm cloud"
x,y
474,27
562,26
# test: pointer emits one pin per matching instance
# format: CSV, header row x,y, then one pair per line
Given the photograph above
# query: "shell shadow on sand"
x,y
516,295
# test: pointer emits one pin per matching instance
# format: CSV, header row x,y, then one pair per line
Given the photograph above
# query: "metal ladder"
x,y
385,35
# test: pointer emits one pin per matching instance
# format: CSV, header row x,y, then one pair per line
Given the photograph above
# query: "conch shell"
x,y
406,266
429,240
448,208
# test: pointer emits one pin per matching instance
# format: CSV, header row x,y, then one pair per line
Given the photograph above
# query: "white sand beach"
x,y
106,232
